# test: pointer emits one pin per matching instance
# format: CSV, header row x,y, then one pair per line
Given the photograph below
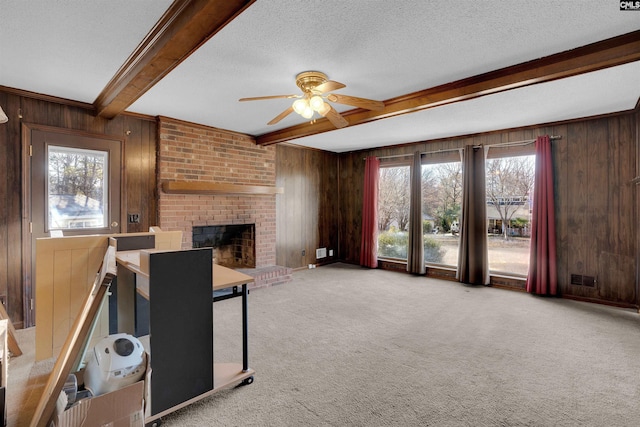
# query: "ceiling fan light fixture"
x,y
316,88
324,109
316,102
299,105
307,113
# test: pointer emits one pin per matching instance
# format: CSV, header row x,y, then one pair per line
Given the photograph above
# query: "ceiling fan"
x,y
315,88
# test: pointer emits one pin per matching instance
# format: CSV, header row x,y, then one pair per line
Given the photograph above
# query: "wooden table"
x,y
223,277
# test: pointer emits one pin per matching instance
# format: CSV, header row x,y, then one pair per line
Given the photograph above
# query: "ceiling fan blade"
x,y
281,116
336,118
328,86
368,104
260,98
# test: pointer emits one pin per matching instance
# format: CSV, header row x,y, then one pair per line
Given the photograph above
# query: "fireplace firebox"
x,y
234,245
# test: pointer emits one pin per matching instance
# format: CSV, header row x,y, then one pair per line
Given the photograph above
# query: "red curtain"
x,y
543,278
369,242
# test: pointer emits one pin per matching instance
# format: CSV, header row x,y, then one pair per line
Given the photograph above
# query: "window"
x,y
77,188
509,183
393,212
442,199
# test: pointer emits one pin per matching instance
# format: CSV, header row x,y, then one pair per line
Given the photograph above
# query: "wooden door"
x,y
74,189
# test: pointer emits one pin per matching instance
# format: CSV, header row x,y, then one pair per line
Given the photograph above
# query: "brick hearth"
x,y
267,276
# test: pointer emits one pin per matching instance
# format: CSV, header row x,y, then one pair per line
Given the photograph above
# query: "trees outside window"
x,y
442,198
509,187
393,212
77,184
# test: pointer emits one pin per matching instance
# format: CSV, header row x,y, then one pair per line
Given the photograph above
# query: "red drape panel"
x,y
543,278
369,242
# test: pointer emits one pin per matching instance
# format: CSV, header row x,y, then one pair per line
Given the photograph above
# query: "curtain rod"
x,y
516,143
446,150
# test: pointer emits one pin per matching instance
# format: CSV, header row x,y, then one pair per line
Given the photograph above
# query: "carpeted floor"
x,y
345,346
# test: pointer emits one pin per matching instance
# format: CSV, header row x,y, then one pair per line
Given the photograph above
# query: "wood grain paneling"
x,y
561,163
6,151
290,175
139,188
351,183
307,211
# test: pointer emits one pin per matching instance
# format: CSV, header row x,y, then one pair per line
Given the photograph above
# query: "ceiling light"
x,y
299,105
309,104
3,116
324,109
307,113
316,102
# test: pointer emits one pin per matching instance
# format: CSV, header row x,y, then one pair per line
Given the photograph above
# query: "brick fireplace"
x,y
199,154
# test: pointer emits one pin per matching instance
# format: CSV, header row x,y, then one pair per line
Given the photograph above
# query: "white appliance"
x,y
115,362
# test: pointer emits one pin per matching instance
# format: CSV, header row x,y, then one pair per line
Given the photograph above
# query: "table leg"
x,y
245,330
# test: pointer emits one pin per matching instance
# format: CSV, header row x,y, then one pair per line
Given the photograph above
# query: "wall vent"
x,y
321,253
580,280
576,279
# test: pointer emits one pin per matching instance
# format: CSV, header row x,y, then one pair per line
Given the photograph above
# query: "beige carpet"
x,y
345,346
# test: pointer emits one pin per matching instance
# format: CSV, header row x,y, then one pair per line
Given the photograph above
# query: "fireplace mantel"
x,y
197,187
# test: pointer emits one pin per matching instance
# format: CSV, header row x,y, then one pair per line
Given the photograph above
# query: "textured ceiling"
x,y
380,49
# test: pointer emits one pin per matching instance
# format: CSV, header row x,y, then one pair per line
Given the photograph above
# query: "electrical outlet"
x,y
134,218
304,252
330,252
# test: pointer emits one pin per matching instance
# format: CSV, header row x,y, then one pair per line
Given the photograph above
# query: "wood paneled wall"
x,y
596,205
594,168
308,211
139,165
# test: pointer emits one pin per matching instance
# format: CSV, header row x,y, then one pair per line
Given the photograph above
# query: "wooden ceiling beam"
x,y
596,56
183,28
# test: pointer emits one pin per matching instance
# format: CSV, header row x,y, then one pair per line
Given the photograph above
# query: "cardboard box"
x,y
120,408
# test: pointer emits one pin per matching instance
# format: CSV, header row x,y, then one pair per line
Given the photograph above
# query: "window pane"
x,y
393,212
509,197
442,198
77,188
